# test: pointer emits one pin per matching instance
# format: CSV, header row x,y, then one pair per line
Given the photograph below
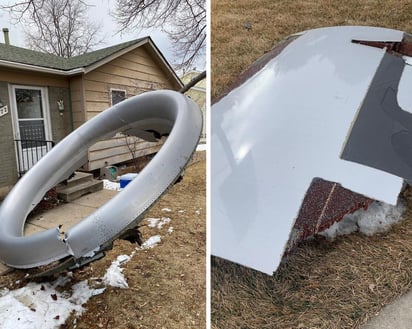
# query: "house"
x,y
198,94
44,97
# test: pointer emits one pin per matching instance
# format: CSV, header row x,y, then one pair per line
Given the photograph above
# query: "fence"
x,y
29,151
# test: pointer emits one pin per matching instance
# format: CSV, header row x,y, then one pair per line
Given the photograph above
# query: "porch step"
x,y
78,178
77,186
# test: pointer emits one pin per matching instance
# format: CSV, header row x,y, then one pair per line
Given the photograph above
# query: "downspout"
x,y
71,124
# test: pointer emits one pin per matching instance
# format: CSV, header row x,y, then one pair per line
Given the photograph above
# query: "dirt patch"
x,y
167,284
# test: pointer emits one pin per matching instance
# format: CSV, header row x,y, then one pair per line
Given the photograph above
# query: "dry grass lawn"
x,y
167,284
234,48
324,284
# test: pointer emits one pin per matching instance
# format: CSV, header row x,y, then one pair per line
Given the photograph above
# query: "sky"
x,y
102,10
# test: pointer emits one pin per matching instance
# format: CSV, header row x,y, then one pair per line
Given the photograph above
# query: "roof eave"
x,y
40,69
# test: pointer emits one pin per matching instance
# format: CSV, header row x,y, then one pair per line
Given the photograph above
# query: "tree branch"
x,y
183,20
193,82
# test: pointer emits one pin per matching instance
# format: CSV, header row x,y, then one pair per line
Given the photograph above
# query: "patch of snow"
x,y
108,185
151,242
181,211
379,217
167,209
41,306
198,211
201,147
170,230
82,292
158,222
114,275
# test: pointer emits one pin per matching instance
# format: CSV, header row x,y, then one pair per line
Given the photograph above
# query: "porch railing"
x,y
29,151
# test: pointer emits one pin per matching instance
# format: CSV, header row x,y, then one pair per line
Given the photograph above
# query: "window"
x,y
117,95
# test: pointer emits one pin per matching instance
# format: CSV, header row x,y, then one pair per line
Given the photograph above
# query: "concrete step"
x,y
73,192
78,178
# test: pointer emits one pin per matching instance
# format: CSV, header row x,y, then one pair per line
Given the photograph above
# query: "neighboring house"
x,y
44,97
198,94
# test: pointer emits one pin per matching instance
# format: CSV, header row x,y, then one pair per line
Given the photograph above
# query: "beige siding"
x,y
77,100
116,150
135,72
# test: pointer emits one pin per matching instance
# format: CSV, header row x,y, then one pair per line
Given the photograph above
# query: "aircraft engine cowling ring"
x,y
164,112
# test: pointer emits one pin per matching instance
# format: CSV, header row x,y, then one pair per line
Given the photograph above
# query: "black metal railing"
x,y
29,151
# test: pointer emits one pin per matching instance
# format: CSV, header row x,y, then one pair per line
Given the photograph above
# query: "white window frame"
x,y
116,89
46,109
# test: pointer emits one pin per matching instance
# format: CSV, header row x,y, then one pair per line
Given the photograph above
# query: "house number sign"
x,y
4,110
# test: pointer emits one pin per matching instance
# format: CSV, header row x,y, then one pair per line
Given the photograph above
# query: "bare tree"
x,y
59,27
183,20
132,144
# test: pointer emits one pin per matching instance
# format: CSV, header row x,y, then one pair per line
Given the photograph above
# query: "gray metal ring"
x,y
164,112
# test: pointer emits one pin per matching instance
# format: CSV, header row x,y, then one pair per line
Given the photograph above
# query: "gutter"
x,y
35,68
71,125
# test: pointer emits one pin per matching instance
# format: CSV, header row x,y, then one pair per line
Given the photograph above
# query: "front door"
x,y
31,125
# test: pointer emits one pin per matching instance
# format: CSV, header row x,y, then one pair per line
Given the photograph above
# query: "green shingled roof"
x,y
25,56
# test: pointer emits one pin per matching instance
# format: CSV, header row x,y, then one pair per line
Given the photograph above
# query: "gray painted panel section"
x,y
149,111
281,128
381,136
